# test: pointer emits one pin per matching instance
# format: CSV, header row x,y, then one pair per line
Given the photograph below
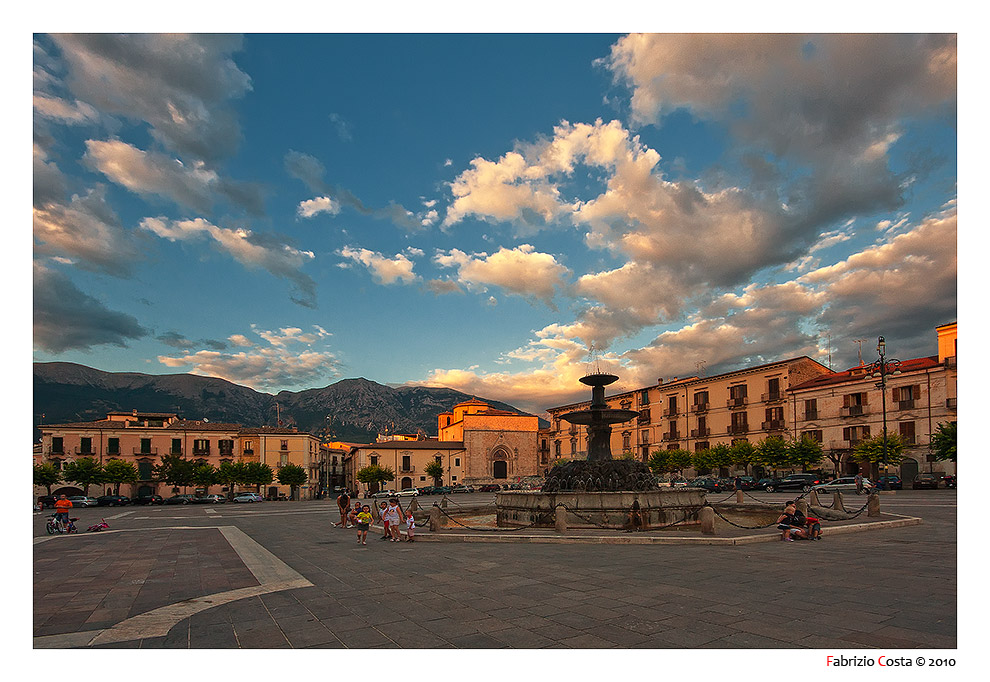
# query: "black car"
x,y
710,485
148,499
113,501
950,480
890,482
47,501
925,480
802,482
489,488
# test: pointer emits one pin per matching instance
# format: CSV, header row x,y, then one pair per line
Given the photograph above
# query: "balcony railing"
x,y
736,402
143,451
909,440
643,419
853,411
905,404
772,397
671,435
87,452
810,414
773,425
701,433
671,412
700,407
738,428
201,452
950,403
411,469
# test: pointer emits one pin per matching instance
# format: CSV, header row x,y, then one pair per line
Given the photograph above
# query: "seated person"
x,y
789,524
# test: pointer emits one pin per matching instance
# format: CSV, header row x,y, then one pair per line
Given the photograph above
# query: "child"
x,y
393,516
363,521
353,513
381,515
410,526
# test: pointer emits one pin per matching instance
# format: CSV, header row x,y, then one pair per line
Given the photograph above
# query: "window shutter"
x,y
845,402
896,394
916,391
866,432
845,433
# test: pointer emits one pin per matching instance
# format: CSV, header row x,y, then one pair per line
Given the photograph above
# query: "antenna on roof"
x,y
700,366
860,342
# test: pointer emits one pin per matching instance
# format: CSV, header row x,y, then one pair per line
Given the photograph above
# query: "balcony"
x,y
248,452
143,451
853,411
773,425
772,397
905,404
698,408
671,435
909,440
85,452
407,469
671,412
643,419
701,433
201,451
736,402
810,415
738,428
950,403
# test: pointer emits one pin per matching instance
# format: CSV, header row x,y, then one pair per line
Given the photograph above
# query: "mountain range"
x,y
351,410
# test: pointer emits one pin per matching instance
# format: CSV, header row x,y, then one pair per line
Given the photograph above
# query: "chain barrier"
x,y
539,518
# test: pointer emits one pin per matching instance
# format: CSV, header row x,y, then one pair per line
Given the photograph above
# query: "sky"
x,y
493,213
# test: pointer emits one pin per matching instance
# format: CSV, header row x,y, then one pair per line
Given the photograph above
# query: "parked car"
x,y
408,492
844,485
745,482
148,499
248,497
925,480
442,490
82,501
489,488
804,482
383,493
47,501
950,480
708,484
890,482
180,499
210,499
112,501
426,490
462,489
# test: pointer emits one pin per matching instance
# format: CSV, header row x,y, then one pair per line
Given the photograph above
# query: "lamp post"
x,y
881,369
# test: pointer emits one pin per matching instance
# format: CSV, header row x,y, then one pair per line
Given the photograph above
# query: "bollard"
x,y
739,497
443,502
873,505
707,518
813,499
837,502
802,506
560,520
413,506
435,520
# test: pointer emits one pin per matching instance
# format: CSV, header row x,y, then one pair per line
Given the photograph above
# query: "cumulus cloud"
x,y
384,270
65,318
87,231
181,85
63,111
151,173
522,271
312,207
288,359
250,249
49,182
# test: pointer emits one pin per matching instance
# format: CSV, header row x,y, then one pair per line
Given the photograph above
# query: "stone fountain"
x,y
599,491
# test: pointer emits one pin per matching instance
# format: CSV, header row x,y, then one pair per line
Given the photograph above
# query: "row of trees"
x,y
173,470
375,475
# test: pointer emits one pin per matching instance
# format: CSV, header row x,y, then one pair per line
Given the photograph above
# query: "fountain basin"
x,y
609,509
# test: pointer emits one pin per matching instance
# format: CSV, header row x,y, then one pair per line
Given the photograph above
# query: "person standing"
x,y
343,505
410,527
363,522
393,516
859,483
382,508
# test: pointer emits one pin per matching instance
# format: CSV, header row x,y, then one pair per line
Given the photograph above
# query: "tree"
x,y
721,456
118,471
374,475
872,450
85,471
230,474
669,461
773,452
805,452
258,474
435,470
174,470
943,442
45,474
743,454
703,461
293,476
204,475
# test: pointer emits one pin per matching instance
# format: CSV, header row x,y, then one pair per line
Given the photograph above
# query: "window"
x,y
644,397
701,401
85,446
573,446
626,438
176,446
144,471
702,429
701,445
854,404
113,446
905,396
811,409
644,416
248,447
374,460
457,461
283,459
226,447
453,478
907,432
57,447
671,405
773,389
739,423
556,449
855,434
145,446
737,395
406,464
774,418
201,446
283,445
813,435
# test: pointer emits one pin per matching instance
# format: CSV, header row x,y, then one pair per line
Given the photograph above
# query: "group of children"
x,y
390,513
793,524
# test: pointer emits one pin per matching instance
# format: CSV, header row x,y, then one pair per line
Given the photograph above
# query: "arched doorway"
x,y
500,469
406,483
909,470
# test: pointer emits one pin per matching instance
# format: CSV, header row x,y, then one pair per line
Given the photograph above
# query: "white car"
x,y
408,492
248,497
843,485
383,493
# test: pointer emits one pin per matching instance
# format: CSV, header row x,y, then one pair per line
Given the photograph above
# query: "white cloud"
x,y
240,340
383,269
312,207
522,271
64,111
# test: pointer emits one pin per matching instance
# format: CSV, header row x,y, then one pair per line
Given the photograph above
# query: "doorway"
x,y
500,469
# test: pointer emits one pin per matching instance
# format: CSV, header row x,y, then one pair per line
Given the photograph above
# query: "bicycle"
x,y
97,527
56,525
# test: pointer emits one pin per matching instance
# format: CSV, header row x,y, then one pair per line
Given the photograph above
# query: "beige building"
x,y
141,438
477,444
843,408
694,413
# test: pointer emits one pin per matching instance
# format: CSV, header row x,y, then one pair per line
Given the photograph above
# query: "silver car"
x,y
843,485
82,501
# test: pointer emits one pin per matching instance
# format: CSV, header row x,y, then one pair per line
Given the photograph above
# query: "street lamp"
x,y
881,369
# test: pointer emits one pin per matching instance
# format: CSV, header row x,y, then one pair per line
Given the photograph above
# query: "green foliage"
x,y
45,474
669,461
627,456
703,461
292,475
872,450
258,474
118,471
204,475
943,443
85,471
174,470
230,474
375,475
721,455
805,452
435,470
773,452
743,454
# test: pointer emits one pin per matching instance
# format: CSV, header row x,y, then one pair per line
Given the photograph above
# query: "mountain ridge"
x,y
354,409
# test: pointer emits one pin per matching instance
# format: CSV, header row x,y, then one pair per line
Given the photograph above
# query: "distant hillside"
x,y
354,410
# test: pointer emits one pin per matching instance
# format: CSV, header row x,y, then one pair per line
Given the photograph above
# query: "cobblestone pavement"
x,y
274,575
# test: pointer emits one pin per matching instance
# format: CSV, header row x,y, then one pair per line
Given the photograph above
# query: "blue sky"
x,y
476,211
